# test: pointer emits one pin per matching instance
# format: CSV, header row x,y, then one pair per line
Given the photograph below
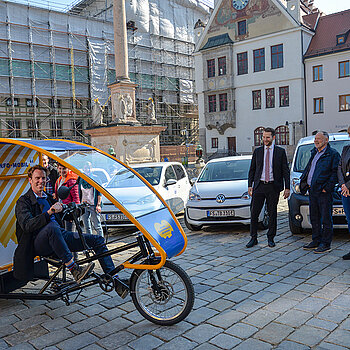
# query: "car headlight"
x,y
296,184
193,196
245,195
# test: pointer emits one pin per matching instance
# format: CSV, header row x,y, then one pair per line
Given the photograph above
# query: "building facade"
x,y
54,65
250,73
327,63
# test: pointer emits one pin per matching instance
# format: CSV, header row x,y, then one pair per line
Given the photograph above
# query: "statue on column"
x,y
151,114
97,114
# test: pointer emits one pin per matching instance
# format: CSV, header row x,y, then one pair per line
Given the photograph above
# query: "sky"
x,y
327,6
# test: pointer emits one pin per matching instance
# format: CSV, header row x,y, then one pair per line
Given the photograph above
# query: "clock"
x,y
239,4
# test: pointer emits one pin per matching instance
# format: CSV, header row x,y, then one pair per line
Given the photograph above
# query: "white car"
x,y
220,195
169,179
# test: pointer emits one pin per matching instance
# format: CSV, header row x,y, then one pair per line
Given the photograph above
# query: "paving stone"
x,y
327,325
294,318
237,296
254,287
305,287
328,346
226,319
279,288
221,304
146,342
274,333
296,295
33,311
308,335
200,315
93,310
342,301
202,333
248,306
7,330
110,327
167,333
116,340
206,346
312,305
112,314
264,297
142,328
78,342
210,295
241,330
253,344
261,318
55,324
281,305
87,324
225,341
179,343
333,314
290,345
339,337
51,338
25,346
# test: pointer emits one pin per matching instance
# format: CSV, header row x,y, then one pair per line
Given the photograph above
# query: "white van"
x,y
299,217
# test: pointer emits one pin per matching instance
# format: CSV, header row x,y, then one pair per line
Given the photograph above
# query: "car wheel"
x,y
293,228
192,227
264,224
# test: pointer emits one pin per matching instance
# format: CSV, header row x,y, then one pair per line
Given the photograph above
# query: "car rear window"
x,y
225,171
303,153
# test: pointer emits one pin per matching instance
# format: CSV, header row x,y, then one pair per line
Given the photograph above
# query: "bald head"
x,y
321,140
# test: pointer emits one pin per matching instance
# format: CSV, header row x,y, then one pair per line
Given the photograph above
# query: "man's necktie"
x,y
267,164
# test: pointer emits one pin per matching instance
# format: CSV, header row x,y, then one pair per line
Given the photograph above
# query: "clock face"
x,y
239,4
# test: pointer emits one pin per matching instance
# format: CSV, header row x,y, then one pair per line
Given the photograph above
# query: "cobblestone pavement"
x,y
259,298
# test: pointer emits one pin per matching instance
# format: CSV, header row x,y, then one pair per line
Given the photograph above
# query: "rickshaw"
x,y
160,290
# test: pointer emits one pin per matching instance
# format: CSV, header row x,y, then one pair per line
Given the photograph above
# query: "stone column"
x,y
121,55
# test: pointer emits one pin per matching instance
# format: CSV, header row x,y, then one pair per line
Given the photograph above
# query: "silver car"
x,y
220,195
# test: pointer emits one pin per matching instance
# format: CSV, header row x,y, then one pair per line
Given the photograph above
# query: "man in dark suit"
x,y
268,176
319,178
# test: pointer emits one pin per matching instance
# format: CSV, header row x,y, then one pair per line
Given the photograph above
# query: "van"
x,y
299,217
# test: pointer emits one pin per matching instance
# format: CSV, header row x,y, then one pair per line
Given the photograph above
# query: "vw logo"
x,y
220,198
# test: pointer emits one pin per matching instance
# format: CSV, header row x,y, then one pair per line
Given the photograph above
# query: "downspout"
x,y
305,100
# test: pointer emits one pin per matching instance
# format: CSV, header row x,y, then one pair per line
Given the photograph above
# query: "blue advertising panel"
x,y
162,227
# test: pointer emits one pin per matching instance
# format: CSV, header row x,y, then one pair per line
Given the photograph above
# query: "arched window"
x,y
282,135
258,132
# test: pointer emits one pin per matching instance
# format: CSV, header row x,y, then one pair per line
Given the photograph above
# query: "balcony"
x,y
220,121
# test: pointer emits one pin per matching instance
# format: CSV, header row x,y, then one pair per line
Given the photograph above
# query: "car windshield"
x,y
229,170
303,153
138,203
151,174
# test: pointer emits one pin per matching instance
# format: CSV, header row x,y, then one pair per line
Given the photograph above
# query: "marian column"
x,y
123,90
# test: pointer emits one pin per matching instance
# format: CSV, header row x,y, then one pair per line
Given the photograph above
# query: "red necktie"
x,y
267,164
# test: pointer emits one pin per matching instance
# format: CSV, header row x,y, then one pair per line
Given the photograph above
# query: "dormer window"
x,y
340,39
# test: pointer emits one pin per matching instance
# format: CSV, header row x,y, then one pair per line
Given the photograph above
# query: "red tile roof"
x,y
311,20
327,30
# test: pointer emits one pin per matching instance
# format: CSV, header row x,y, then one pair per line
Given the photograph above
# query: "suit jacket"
x,y
30,220
325,174
344,167
279,167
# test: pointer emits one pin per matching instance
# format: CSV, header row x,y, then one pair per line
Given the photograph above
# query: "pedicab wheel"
x,y
164,296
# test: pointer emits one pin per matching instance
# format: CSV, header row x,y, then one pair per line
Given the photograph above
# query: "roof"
x,y
310,20
327,30
217,41
49,145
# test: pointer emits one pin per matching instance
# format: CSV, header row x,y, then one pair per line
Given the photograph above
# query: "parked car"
x,y
169,179
299,217
220,194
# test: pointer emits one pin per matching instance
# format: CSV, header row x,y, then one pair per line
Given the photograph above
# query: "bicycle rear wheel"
x,y
164,296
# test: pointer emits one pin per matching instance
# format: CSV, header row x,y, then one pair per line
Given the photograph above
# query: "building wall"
x,y
331,120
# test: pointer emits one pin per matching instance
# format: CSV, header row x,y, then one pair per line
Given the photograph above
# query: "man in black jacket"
x,y
319,178
52,175
268,176
40,231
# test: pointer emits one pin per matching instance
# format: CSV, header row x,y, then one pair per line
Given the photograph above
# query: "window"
x,y
270,98
58,104
258,132
259,60
257,99
344,69
169,173
223,102
277,56
31,103
180,172
13,128
214,142
282,135
317,73
9,102
33,128
344,103
242,63
212,103
211,68
340,39
284,96
222,65
56,127
318,105
242,27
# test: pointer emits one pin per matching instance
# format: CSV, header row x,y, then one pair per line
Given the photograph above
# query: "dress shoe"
x,y
322,249
271,243
346,256
253,241
311,246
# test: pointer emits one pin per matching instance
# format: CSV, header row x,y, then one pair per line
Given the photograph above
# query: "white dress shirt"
x,y
271,159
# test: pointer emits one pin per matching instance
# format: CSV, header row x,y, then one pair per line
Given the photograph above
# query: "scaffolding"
x,y
53,64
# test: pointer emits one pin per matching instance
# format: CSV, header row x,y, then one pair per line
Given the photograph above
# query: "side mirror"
x,y
63,192
193,180
170,182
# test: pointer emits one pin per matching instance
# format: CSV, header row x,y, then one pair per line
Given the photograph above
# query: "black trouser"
x,y
320,205
260,194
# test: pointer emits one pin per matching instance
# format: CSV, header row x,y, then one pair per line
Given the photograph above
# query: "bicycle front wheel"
x,y
164,296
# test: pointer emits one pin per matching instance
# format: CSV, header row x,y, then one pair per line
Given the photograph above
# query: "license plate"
x,y
220,213
116,217
338,211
